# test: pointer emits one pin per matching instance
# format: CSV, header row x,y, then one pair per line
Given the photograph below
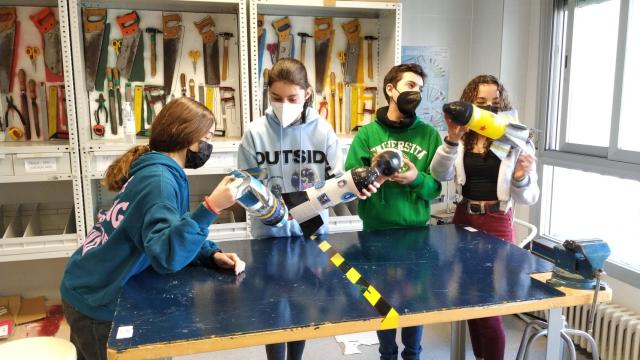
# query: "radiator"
x,y
616,330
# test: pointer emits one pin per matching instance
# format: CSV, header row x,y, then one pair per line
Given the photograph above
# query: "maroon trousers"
x,y
487,334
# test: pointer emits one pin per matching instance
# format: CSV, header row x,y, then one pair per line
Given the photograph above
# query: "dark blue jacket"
x,y
148,225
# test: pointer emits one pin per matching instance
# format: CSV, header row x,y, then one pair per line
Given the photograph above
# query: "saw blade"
x,y
52,50
7,41
127,55
93,26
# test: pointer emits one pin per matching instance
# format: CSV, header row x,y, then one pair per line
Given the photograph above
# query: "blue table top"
x,y
290,283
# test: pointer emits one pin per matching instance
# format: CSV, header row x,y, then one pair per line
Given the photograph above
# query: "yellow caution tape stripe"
x,y
391,318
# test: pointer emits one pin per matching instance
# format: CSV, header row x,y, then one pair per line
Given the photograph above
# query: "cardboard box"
x,y
21,311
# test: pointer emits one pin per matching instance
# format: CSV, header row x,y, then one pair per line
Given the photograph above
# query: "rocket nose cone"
x,y
388,162
458,111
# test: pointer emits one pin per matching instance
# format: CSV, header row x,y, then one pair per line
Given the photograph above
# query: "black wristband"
x,y
449,142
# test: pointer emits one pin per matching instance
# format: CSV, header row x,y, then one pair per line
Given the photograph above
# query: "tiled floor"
x,y
435,345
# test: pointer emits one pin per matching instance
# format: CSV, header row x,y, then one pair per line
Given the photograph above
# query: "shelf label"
x,y
124,332
37,165
224,160
103,161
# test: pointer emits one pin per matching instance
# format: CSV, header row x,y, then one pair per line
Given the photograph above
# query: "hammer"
x,y
303,44
153,32
370,40
225,55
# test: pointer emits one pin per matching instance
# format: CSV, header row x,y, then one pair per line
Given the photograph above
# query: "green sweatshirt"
x,y
396,205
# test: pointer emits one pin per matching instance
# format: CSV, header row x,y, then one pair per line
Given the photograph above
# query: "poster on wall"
x,y
435,62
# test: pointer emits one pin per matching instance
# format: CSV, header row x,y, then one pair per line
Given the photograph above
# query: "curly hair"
x,y
470,93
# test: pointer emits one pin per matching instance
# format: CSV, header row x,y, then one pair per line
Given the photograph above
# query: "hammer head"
x,y
152,31
370,38
225,35
304,35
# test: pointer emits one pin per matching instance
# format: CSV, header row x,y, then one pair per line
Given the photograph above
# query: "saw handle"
x,y
352,30
22,80
7,18
44,20
128,23
32,89
206,28
322,28
171,25
93,19
282,28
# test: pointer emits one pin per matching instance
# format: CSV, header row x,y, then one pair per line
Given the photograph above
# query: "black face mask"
x,y
408,102
196,159
493,108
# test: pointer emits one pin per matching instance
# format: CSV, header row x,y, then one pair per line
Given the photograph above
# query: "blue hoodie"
x,y
295,158
148,225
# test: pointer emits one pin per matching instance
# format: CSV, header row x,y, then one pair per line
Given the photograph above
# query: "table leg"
x,y
554,349
458,338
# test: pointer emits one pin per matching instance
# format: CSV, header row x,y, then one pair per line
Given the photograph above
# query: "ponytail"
x,y
117,173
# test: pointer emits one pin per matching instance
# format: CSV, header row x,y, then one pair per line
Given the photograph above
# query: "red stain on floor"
x,y
48,326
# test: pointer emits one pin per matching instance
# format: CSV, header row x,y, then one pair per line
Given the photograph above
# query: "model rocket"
x,y
503,127
305,206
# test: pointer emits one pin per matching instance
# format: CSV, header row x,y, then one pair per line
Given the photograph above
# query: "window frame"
x,y
555,26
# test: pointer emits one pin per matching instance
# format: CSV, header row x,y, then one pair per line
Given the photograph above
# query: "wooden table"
x,y
291,291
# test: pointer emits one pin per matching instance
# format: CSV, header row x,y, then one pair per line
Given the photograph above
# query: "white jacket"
x,y
448,163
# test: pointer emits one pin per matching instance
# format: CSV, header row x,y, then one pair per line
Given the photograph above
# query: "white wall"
x,y
32,278
441,23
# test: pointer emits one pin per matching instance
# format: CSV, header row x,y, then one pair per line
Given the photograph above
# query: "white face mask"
x,y
287,113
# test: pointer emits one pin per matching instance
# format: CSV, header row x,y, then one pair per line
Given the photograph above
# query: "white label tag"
x,y
469,228
4,330
103,161
221,160
124,332
40,165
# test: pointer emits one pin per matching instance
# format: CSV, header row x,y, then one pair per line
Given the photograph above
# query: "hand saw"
x,y
24,103
323,36
262,41
7,43
131,36
34,107
172,36
352,32
206,28
93,24
285,40
45,21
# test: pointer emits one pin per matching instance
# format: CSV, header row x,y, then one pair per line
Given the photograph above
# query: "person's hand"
x,y
524,165
372,189
454,131
229,261
408,176
224,195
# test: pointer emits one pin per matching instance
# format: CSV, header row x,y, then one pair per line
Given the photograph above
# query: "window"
x,y
590,163
599,78
589,205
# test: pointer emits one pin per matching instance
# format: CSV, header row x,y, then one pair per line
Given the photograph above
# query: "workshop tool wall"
x,y
41,207
221,83
50,190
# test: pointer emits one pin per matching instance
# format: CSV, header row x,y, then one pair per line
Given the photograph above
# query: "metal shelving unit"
x,y
41,204
385,18
97,154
